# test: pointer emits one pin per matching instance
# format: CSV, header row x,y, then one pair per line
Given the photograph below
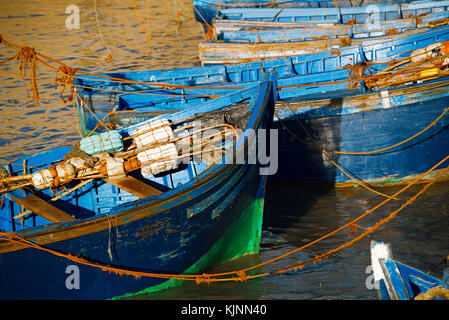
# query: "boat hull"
x,y
362,128
170,242
214,217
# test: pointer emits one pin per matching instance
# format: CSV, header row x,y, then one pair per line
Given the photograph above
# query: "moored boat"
x,y
363,14
232,31
205,11
91,222
397,281
318,133
216,52
385,137
342,116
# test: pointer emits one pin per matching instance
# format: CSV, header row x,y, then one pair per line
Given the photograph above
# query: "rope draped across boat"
x,y
30,56
242,274
425,65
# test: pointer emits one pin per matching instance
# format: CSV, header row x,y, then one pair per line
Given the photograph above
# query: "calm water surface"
x,y
294,214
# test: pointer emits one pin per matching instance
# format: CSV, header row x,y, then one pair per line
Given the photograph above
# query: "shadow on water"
x,y
305,174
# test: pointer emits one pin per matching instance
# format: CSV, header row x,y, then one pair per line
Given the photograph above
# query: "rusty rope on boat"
x,y
64,77
435,292
241,275
66,74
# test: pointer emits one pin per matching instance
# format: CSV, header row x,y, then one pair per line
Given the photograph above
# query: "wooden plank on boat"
x,y
43,209
135,186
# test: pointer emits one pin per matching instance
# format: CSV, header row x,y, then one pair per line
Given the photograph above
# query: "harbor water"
x,y
294,215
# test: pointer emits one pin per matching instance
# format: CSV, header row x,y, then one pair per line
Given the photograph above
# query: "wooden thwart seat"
x,y
43,209
134,186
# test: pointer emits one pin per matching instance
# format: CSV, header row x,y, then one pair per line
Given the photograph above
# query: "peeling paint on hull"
x,y
360,130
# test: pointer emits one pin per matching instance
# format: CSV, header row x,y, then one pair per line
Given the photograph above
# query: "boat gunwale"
x,y
102,222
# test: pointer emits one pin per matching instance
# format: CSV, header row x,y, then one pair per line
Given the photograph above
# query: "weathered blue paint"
x,y
206,11
212,53
334,15
306,69
362,123
153,234
274,34
399,281
352,121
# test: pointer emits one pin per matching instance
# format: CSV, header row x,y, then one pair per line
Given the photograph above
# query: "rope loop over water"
x,y
64,77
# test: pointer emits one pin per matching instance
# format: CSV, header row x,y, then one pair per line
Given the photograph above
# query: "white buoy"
x,y
43,179
159,159
153,132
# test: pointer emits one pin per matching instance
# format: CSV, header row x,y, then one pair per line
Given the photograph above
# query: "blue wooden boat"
x,y
345,128
363,14
231,31
181,221
312,120
205,11
318,73
216,52
397,281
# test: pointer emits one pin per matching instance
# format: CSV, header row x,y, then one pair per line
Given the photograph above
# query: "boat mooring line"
x,y
241,275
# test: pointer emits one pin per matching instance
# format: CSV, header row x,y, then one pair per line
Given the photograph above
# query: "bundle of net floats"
x,y
154,147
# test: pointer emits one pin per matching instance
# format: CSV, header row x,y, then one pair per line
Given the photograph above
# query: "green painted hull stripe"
x,y
241,239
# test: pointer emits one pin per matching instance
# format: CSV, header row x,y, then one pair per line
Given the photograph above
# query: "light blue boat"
x,y
397,281
230,31
363,14
205,11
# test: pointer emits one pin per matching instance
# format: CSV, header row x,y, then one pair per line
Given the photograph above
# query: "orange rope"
x,y
140,22
433,123
241,274
210,30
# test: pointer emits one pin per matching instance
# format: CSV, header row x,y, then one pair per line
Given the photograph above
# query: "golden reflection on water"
x,y
27,127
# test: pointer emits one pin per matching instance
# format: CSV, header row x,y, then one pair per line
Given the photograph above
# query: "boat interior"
x,y
25,206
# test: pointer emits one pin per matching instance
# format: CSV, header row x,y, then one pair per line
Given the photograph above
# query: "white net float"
x,y
115,167
159,159
43,179
153,132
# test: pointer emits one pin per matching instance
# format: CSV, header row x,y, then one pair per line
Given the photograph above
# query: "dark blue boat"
x,y
181,221
319,132
366,134
397,281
